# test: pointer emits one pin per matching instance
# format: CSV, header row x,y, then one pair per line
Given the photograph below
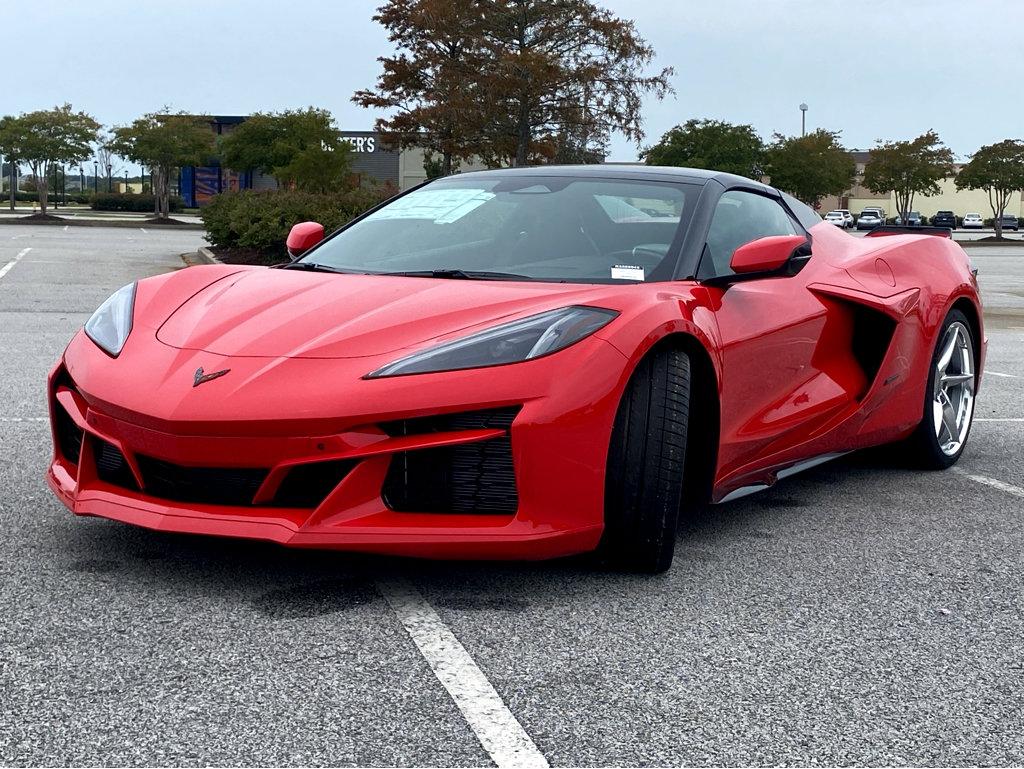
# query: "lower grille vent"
x,y
69,435
471,478
204,485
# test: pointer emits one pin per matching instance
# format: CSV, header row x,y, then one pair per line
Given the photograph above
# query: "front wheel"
x,y
646,458
939,440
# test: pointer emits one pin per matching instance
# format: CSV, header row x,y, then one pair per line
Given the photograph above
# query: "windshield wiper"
x,y
309,267
458,274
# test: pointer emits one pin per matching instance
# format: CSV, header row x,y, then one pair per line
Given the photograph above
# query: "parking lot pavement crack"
x,y
500,734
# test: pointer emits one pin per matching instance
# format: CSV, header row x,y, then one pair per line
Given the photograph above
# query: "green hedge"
x,y
261,220
114,201
33,197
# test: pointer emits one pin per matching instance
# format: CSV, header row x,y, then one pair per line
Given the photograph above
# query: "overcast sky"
x,y
873,70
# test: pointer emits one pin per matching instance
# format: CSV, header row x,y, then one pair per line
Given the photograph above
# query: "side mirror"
x,y
303,236
768,254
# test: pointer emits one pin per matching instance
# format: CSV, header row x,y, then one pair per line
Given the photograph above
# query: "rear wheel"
x,y
949,399
644,480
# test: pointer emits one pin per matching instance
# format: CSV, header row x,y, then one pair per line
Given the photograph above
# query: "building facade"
x,y
949,197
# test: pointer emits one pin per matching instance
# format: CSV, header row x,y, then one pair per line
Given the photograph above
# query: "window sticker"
x,y
439,206
627,272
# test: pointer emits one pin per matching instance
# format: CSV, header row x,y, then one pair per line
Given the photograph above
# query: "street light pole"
x,y
803,120
95,177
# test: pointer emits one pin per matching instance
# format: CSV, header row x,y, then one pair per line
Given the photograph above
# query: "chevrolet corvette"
x,y
524,363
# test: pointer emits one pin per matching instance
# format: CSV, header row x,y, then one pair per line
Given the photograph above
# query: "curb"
x,y
6,219
989,243
206,256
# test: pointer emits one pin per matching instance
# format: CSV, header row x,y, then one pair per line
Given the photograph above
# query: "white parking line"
x,y
996,373
501,735
7,267
1009,488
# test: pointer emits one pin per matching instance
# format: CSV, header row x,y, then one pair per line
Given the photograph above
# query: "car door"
x,y
773,392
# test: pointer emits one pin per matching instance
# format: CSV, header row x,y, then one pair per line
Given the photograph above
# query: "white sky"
x,y
875,70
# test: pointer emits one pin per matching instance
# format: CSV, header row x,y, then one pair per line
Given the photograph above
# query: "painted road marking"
x,y
501,735
1009,488
66,227
996,373
7,267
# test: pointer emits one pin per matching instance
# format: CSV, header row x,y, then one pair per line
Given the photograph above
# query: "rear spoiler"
x,y
894,229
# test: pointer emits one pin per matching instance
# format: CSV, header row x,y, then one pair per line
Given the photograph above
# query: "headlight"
x,y
513,342
110,325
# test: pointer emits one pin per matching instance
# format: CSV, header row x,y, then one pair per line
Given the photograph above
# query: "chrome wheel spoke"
x,y
953,394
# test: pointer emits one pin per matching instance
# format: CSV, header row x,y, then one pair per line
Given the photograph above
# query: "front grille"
x,y
204,485
308,485
111,466
69,435
471,478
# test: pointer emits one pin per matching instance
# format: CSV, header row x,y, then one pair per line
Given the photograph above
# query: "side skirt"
x,y
806,464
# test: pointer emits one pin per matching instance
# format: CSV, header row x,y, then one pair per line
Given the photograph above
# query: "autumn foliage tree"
x,y
999,170
511,81
908,168
164,143
711,144
428,84
810,167
43,138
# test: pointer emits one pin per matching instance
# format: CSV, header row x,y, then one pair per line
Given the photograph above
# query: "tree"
x,y
45,138
711,144
299,148
999,170
810,167
430,83
511,81
907,168
559,68
10,143
164,143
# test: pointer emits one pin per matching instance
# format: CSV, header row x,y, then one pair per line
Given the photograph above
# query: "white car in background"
x,y
849,216
973,222
869,219
837,218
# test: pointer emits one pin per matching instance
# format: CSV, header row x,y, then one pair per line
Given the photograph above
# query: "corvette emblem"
x,y
200,377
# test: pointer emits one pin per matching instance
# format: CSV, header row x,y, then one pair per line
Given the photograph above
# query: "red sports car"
x,y
517,364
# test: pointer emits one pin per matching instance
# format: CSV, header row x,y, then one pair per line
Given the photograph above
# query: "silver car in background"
x,y
869,219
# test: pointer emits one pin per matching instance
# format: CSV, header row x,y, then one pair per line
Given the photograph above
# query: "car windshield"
x,y
556,228
869,213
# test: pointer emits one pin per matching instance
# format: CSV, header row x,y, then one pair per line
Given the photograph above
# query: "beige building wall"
x,y
410,167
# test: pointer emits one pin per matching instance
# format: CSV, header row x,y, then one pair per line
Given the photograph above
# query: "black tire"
x,y
922,448
646,458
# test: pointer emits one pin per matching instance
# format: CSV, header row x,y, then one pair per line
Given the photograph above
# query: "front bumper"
x,y
151,414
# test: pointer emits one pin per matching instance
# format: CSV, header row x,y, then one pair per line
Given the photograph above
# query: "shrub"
x,y
115,201
261,219
23,196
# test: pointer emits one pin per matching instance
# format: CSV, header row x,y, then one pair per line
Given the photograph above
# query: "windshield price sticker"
x,y
627,272
439,206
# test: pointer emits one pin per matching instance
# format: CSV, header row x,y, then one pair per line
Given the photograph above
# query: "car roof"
x,y
636,171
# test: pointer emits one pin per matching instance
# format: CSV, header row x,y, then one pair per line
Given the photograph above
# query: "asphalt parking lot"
x,y
857,613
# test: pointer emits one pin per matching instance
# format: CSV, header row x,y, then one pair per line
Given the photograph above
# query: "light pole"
x,y
95,177
803,119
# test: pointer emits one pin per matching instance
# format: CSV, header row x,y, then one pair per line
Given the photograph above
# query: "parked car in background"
x,y
1009,222
837,218
869,219
914,219
879,211
944,219
847,215
973,222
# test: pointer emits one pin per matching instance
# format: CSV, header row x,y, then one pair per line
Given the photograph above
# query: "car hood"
x,y
284,313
